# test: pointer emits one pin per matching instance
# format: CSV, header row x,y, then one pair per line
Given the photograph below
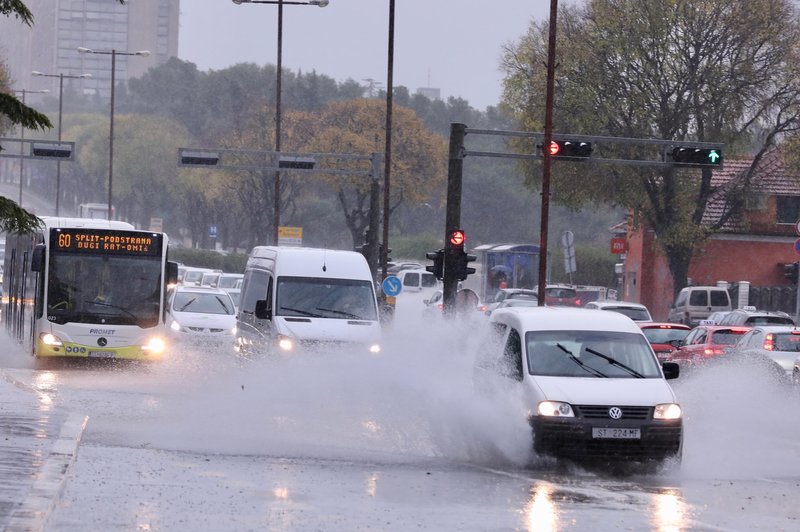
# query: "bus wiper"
x,y
342,313
615,362
595,372
301,311
100,303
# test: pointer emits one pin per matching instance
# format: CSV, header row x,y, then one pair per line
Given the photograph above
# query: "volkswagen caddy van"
x,y
298,299
593,386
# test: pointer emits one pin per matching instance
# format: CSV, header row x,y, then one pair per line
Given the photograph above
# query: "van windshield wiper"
x,y
583,366
342,313
301,311
615,362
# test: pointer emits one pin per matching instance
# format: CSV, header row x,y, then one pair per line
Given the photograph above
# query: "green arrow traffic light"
x,y
713,156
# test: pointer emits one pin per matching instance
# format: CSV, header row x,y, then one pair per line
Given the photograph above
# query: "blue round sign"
x,y
391,286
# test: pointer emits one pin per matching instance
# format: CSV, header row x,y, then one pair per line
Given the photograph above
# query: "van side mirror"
x,y
172,272
263,312
671,370
37,258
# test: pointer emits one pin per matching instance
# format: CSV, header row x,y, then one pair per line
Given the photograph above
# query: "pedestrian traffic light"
x,y
438,263
462,265
570,148
689,156
791,270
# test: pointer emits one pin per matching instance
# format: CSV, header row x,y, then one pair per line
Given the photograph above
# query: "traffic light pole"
x,y
455,170
548,134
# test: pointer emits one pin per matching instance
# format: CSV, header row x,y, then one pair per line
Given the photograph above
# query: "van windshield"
x,y
598,354
312,297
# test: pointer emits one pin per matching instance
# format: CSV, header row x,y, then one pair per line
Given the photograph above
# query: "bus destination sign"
x,y
106,242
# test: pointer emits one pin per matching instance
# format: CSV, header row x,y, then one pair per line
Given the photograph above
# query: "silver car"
x,y
775,345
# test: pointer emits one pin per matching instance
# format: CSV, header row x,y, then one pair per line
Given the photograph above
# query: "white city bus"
x,y
99,289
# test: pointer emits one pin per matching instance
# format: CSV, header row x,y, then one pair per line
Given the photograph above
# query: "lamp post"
x,y
22,137
113,53
60,77
280,4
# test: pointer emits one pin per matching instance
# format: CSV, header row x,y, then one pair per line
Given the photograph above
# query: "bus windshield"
x,y
114,290
326,298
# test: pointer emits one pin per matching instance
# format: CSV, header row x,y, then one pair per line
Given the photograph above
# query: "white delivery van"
x,y
306,298
696,303
593,386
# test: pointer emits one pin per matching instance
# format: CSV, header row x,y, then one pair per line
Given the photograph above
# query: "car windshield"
x,y
202,303
657,335
326,298
597,354
634,313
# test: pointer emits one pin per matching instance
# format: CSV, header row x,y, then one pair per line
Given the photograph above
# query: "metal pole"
x,y
455,171
277,206
374,214
548,133
21,152
388,151
60,113
111,131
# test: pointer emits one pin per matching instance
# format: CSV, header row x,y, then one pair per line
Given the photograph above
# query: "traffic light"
x,y
438,263
457,238
791,270
570,148
462,265
380,253
689,156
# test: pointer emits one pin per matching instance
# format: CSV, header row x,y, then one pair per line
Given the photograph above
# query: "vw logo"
x,y
102,342
615,412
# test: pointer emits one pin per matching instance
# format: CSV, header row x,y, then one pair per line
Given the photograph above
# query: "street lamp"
x,y
22,137
113,53
60,77
280,4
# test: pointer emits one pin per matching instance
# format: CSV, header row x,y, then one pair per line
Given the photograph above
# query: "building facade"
x,y
61,26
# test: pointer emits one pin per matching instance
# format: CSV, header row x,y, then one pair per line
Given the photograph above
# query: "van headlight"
x,y
50,339
667,411
555,409
285,343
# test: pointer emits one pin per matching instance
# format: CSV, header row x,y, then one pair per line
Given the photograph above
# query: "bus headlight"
x,y
285,343
375,348
667,411
50,339
555,409
155,345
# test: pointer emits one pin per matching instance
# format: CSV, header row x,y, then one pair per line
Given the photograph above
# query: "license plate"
x,y
616,434
102,354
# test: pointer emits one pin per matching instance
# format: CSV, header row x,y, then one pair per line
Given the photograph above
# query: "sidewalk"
x,y
38,444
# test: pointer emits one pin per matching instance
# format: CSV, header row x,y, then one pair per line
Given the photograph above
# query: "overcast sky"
x,y
453,45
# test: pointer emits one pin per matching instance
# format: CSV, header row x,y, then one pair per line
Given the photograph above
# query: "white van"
x,y
304,298
592,384
696,303
418,280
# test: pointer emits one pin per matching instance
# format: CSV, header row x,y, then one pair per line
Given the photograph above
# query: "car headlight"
x,y
667,411
175,326
50,339
555,409
155,345
285,343
375,348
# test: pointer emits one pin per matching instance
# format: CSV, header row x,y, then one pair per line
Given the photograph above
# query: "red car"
x,y
664,337
706,342
559,295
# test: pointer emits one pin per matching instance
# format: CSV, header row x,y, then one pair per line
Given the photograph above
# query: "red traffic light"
x,y
555,147
457,237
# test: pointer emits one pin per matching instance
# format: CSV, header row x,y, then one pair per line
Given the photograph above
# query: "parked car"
x,y
665,338
751,317
505,294
635,311
695,303
593,387
707,342
560,295
200,314
775,346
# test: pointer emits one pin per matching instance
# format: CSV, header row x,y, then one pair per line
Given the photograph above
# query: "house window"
x,y
788,209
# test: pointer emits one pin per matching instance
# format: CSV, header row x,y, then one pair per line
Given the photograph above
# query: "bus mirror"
x,y
262,310
172,273
37,258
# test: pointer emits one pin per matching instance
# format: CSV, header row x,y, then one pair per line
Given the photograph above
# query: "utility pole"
x,y
548,134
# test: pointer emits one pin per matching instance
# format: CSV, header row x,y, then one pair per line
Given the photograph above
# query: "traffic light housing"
x,y
579,149
791,270
689,156
381,250
462,265
438,263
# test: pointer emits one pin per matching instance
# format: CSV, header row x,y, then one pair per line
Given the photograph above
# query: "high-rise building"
x,y
61,26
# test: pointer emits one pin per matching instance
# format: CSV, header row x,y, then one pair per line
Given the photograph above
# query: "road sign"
x,y
391,286
797,227
797,248
619,245
568,242
290,236
212,231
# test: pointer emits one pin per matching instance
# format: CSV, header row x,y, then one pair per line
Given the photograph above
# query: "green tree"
x,y
670,69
